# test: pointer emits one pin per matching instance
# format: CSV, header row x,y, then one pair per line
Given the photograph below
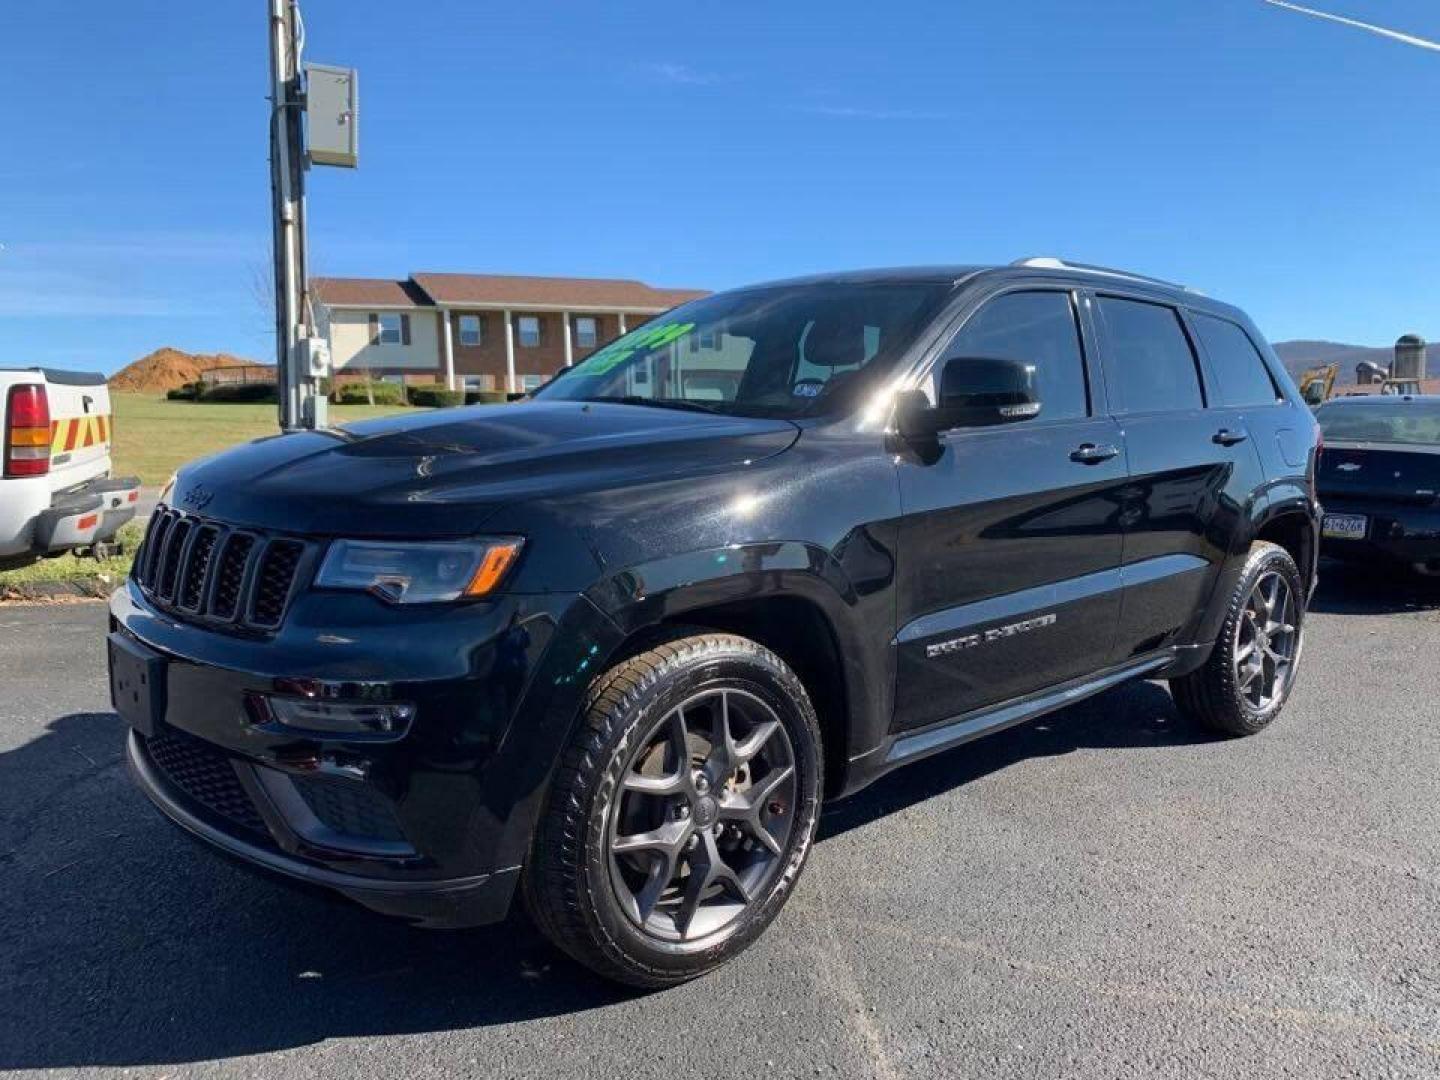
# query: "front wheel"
x,y
682,813
1247,680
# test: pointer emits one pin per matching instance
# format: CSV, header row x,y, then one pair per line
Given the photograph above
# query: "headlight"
x,y
419,573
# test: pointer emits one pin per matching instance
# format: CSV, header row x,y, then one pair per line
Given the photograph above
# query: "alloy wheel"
x,y
1267,640
699,827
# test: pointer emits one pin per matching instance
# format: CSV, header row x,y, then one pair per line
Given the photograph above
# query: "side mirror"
x,y
975,391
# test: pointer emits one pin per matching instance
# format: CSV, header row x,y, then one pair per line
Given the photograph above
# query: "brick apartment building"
x,y
478,331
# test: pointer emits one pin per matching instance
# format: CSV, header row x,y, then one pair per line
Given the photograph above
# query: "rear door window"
x,y
1149,359
1036,328
1243,378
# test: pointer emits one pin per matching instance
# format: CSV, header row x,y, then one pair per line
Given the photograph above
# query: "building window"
x,y
586,334
529,331
531,382
469,329
707,338
389,328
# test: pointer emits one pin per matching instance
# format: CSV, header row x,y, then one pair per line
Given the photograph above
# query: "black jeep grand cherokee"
x,y
612,647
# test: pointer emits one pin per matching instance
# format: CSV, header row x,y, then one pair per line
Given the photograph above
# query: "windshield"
x,y
1411,423
785,351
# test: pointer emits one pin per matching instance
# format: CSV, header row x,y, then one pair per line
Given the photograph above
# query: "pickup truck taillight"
x,y
27,431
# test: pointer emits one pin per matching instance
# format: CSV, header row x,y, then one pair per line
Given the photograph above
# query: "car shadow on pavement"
x,y
1360,589
124,943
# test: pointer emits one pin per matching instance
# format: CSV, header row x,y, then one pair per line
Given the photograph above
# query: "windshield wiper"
x,y
657,403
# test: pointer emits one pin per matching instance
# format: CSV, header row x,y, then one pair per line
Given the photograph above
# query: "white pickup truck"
x,y
56,491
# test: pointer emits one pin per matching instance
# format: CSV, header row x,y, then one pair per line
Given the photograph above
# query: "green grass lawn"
x,y
154,437
71,568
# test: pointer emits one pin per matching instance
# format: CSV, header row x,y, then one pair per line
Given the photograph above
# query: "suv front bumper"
x,y
432,825
467,901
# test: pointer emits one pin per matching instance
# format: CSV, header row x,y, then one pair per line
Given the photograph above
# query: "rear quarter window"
x,y
1240,371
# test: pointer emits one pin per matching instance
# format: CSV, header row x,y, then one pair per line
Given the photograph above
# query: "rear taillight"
x,y
27,431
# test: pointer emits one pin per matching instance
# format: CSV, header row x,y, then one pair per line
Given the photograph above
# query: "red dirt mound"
x,y
166,369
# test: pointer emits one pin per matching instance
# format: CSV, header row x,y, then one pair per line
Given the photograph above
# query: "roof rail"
x,y
1050,262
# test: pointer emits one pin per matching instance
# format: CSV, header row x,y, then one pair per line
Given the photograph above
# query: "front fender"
x,y
851,588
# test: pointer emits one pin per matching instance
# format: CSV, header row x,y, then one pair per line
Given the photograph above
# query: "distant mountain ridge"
x,y
1299,355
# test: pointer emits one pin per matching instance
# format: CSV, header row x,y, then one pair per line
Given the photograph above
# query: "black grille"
x,y
350,808
272,584
192,586
231,574
206,776
173,552
230,578
153,546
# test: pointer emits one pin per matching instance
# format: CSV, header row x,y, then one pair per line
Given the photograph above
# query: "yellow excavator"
x,y
1317,384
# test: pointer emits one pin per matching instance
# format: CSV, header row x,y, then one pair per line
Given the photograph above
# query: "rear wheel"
x,y
682,813
1247,680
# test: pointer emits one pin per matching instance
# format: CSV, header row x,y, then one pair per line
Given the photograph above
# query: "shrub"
x,y
484,397
188,392
355,393
240,392
436,396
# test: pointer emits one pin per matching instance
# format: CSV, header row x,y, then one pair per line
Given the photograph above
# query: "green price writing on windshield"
x,y
644,339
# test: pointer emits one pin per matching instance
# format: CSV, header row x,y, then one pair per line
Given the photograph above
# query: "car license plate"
x,y
137,683
1346,526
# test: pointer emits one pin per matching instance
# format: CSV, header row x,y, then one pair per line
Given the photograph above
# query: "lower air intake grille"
x,y
350,808
206,776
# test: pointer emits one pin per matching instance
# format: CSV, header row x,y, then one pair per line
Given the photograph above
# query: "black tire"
x,y
578,884
1222,695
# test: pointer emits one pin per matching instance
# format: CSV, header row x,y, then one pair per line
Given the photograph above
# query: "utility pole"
x,y
287,198
328,95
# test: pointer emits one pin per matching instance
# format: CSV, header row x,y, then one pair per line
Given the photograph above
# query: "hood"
x,y
443,473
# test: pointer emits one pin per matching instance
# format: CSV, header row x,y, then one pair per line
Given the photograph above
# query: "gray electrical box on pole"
x,y
330,95
332,105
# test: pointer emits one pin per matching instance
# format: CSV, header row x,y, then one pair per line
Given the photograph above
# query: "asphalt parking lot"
x,y
1109,893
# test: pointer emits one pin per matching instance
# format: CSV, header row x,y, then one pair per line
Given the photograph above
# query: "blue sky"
x,y
1287,165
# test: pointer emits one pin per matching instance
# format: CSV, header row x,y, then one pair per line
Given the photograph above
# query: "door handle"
x,y
1090,454
1226,437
